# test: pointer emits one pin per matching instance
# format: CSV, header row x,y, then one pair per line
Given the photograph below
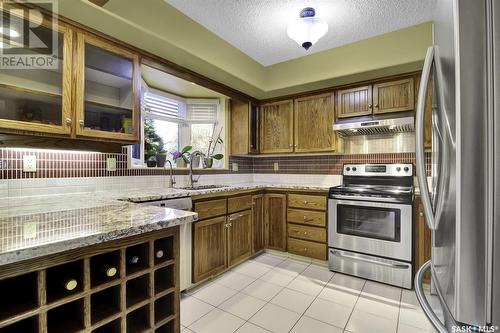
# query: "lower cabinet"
x,y
239,237
423,242
307,229
222,241
209,247
259,241
275,221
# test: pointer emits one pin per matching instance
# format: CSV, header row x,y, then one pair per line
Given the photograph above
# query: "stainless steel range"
x,y
370,223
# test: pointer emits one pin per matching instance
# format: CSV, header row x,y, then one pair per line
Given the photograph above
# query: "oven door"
x,y
374,228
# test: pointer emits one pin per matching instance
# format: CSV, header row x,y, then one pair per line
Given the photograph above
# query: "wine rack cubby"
x,y
26,297
138,320
59,277
97,289
105,268
28,325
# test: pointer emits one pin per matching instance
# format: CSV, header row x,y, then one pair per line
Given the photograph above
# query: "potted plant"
x,y
161,158
181,158
211,155
151,162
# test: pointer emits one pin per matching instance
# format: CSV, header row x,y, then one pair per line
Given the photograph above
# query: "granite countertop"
x,y
32,227
142,196
39,226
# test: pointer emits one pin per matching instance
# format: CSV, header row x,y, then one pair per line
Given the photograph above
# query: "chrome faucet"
x,y
172,179
194,154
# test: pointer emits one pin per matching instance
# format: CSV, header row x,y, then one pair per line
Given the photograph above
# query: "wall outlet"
x,y
111,164
29,230
29,163
276,166
235,167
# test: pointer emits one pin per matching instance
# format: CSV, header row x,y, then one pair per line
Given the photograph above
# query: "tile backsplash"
x,y
71,164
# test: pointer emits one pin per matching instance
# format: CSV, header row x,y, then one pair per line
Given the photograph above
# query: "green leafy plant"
x,y
153,143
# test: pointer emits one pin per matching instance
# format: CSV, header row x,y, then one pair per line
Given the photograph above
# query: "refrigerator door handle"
x,y
419,129
419,291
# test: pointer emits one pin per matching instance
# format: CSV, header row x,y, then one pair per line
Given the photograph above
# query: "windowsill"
x,y
180,169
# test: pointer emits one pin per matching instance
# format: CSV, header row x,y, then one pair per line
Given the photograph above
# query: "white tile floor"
x,y
272,293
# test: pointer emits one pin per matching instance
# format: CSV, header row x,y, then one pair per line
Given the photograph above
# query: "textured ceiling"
x,y
258,27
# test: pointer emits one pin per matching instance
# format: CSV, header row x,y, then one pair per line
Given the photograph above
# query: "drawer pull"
x,y
305,232
305,249
305,202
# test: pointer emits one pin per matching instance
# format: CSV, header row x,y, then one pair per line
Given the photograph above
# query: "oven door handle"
x,y
358,259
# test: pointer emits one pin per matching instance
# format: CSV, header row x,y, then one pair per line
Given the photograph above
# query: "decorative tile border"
x,y
69,164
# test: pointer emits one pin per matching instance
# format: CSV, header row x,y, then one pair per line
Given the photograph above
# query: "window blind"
x,y
202,111
163,107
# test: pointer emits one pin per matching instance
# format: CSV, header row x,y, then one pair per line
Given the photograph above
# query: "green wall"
x,y
157,27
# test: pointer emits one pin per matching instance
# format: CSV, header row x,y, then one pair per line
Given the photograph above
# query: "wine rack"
x,y
97,289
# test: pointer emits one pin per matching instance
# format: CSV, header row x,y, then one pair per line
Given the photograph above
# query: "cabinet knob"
x,y
82,123
376,105
305,202
290,145
296,145
305,249
421,213
305,232
369,106
68,121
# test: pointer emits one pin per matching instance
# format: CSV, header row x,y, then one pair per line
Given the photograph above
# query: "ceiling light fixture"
x,y
307,30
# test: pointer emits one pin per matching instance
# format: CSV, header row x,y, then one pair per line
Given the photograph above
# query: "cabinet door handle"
x,y
68,121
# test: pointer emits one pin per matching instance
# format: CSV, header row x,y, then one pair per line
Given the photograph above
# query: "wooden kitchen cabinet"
x,y
239,237
38,100
313,119
377,98
393,96
307,228
259,241
107,90
423,240
244,128
209,248
354,102
276,130
275,221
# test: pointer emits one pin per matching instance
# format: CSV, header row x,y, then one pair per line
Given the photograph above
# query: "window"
x,y
171,123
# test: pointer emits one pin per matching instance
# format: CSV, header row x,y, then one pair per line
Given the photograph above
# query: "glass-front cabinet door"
x,y
35,74
107,92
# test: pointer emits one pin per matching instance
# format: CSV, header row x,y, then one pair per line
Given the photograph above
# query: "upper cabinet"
x,y
313,121
107,90
37,99
87,86
244,128
354,102
377,98
393,96
301,126
276,127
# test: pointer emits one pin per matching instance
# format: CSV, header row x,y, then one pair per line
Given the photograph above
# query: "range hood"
x,y
371,126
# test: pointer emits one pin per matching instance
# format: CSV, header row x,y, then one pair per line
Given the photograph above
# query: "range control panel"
x,y
391,170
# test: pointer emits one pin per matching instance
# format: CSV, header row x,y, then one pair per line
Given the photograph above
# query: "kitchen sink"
x,y
202,187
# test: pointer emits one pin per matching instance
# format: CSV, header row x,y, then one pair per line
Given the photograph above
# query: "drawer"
x,y
308,217
307,233
307,201
307,249
211,208
237,204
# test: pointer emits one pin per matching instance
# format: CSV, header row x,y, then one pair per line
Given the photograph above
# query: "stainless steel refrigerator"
x,y
462,203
